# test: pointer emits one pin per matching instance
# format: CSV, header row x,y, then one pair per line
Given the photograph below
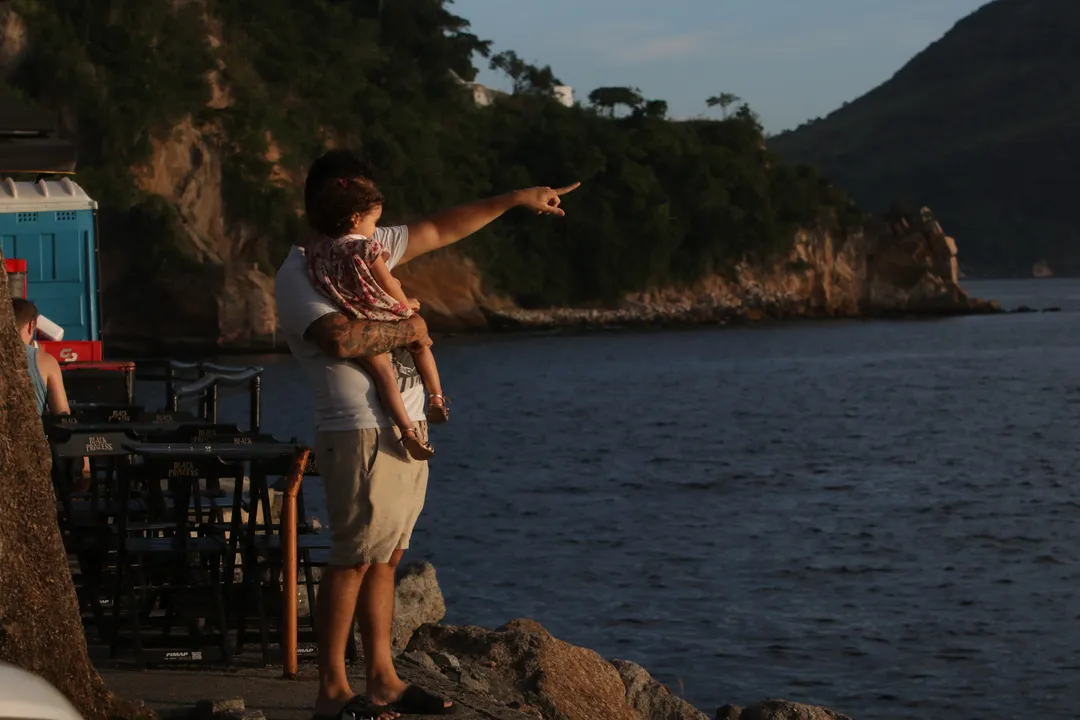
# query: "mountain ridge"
x,y
983,125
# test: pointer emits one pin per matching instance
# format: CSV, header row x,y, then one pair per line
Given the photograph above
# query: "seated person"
x,y
45,375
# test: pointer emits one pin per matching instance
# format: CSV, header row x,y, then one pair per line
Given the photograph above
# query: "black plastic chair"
x,y
89,515
176,567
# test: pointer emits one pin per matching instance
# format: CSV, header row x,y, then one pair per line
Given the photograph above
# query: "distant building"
x,y
564,94
484,96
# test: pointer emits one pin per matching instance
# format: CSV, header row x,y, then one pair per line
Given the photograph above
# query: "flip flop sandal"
x,y
418,701
358,708
417,448
438,414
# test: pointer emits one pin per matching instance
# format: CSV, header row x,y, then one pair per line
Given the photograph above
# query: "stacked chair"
x,y
170,539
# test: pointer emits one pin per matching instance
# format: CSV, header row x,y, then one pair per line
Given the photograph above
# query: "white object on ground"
x,y
51,330
26,696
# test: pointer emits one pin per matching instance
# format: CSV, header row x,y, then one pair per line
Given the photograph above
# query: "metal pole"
x,y
170,373
288,566
255,421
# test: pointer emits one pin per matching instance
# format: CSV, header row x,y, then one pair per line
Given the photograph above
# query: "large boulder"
x,y
650,698
418,600
523,666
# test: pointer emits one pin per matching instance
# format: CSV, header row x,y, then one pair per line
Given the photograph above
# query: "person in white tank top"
x,y
45,373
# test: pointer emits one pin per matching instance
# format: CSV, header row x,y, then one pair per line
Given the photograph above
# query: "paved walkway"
x,y
264,689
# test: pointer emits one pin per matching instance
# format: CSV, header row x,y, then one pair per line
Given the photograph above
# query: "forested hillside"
x,y
265,85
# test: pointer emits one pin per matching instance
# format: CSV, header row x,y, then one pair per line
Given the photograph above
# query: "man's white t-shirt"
x,y
345,397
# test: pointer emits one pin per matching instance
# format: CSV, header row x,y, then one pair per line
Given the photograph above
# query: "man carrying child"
x,y
374,489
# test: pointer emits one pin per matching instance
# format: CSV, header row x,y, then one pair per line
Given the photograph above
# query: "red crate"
x,y
16,272
69,351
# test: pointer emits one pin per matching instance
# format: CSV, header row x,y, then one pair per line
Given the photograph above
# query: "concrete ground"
x,y
174,690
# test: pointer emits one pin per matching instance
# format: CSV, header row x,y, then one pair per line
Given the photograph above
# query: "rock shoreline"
x,y
523,670
706,314
517,321
516,672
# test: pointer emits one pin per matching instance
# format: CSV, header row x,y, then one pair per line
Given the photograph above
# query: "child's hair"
x,y
337,202
333,164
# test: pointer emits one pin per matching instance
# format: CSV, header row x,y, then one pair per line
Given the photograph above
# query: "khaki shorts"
x,y
374,493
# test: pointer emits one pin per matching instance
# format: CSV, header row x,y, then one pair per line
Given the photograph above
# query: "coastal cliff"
x,y
904,266
887,269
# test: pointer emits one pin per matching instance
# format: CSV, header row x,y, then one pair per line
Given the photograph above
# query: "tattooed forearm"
x,y
339,336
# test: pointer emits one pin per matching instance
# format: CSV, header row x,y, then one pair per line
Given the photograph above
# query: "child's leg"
x,y
385,378
429,373
386,382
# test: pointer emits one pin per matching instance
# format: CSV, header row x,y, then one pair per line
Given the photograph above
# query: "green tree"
x,y
610,98
654,109
724,101
526,78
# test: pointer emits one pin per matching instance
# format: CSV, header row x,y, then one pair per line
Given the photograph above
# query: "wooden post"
x,y
288,571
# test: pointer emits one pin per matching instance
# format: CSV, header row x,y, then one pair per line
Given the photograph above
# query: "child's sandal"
x,y
438,413
417,448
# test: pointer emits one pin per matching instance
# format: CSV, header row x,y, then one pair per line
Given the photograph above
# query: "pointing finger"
x,y
567,189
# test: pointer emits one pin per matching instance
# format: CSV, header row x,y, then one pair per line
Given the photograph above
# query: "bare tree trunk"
x,y
40,624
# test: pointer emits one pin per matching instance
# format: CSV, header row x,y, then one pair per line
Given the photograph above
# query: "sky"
x,y
791,60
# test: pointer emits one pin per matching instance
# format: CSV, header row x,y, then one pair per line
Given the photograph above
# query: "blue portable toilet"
x,y
51,225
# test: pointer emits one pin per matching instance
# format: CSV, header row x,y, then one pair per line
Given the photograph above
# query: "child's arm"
x,y
386,281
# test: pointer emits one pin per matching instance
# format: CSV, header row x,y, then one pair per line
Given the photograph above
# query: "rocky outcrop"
x,y
1041,269
450,291
652,700
523,667
418,601
778,710
231,301
889,268
522,663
